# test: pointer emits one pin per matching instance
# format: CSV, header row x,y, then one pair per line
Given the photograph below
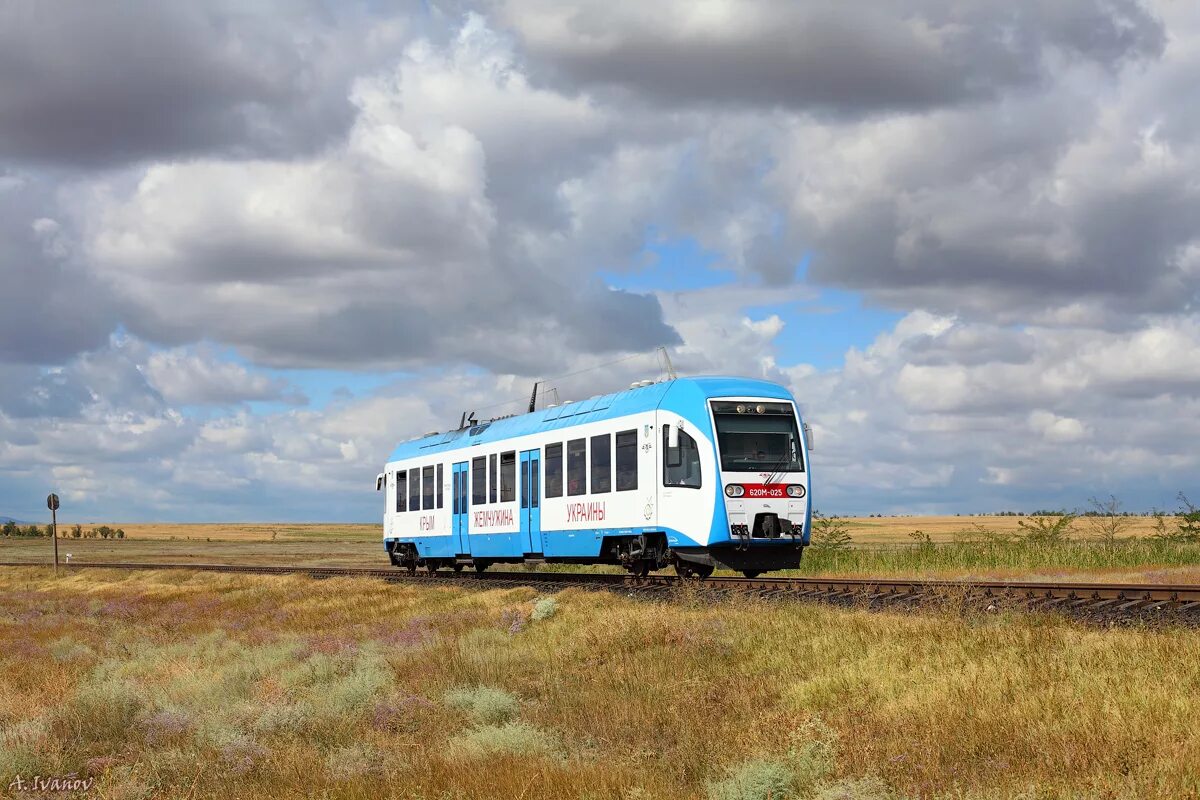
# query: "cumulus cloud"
x,y
843,57
363,255
202,378
124,81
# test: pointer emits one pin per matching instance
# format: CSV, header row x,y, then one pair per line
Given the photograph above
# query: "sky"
x,y
247,247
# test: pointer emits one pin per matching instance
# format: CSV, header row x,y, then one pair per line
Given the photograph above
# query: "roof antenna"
x,y
462,422
533,397
667,359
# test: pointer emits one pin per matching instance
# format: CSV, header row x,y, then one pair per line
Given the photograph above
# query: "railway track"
x,y
1094,601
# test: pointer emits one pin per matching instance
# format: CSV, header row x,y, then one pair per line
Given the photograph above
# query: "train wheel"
x,y
690,569
639,569
458,567
481,566
432,566
752,573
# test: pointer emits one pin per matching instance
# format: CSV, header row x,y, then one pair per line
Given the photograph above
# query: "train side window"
x,y
554,470
414,489
492,479
508,476
681,465
427,488
479,480
401,491
627,461
576,466
602,463
439,485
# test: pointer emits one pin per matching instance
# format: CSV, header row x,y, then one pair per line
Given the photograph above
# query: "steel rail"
x,y
1088,599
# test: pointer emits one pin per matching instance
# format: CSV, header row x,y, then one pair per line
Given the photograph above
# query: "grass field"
x,y
179,685
879,546
868,531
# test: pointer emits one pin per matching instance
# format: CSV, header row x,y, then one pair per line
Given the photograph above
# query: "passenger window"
x,y
401,490
508,476
554,470
681,465
576,466
492,479
601,464
479,480
439,485
427,488
414,489
626,461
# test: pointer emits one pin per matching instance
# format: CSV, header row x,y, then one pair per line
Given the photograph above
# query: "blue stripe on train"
x,y
555,544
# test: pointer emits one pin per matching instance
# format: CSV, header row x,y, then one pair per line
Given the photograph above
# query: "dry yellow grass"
x,y
243,531
865,530
897,530
182,685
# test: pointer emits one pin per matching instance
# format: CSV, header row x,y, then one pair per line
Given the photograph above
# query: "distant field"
x,y
246,531
1132,560
190,685
897,530
865,530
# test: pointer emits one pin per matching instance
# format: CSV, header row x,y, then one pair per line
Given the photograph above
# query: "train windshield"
x,y
758,437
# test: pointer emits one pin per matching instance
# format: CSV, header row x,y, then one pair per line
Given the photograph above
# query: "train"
x,y
687,473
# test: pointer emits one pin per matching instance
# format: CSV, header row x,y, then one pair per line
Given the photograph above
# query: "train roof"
x,y
595,409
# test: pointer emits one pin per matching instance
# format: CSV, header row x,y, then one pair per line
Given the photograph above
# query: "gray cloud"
x,y
126,80
844,57
51,305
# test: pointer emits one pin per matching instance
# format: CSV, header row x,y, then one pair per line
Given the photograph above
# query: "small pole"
x,y
52,504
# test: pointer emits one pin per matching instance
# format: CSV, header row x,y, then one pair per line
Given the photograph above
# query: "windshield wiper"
x,y
786,458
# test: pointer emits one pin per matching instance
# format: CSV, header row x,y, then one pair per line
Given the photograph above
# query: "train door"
x,y
460,507
531,493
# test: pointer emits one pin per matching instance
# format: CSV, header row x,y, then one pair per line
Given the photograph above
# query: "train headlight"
x,y
760,409
735,490
795,490
741,409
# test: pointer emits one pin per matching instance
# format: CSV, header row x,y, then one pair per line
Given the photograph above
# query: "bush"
x,y
545,608
829,534
756,780
353,762
484,704
869,788
1047,528
1106,520
511,738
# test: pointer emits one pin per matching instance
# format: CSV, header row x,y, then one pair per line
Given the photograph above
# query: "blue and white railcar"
x,y
692,472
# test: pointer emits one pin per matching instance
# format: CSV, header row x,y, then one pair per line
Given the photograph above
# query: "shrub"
x,y
242,755
1188,520
1106,520
10,529
484,704
511,738
166,727
67,649
101,712
545,608
354,761
830,534
1047,528
868,788
756,780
